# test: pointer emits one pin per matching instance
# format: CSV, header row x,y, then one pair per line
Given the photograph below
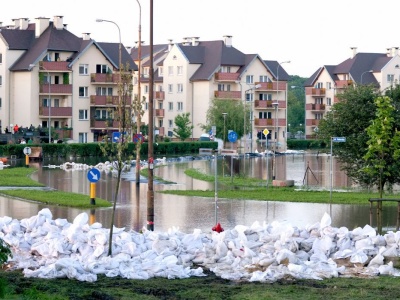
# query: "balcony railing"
x,y
103,124
268,104
315,92
60,112
159,95
160,113
227,76
64,133
281,122
61,66
104,78
272,86
103,100
312,122
60,89
161,131
343,83
227,94
311,106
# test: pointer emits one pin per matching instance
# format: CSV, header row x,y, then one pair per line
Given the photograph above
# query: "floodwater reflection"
x,y
189,213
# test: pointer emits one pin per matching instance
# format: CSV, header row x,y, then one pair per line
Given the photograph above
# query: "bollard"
x,y
27,161
93,193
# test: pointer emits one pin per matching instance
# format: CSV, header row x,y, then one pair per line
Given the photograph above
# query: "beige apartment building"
x,y
321,89
49,76
188,75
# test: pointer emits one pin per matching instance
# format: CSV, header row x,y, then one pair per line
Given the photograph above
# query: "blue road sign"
x,y
232,136
93,175
339,139
116,136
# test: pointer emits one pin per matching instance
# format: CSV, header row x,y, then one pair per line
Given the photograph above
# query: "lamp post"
x,y
139,101
119,48
275,105
369,71
224,114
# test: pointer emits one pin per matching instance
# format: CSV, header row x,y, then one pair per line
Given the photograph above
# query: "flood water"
x,y
188,213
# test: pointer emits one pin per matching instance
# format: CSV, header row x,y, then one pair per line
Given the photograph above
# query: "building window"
x,y
264,78
170,70
1,104
103,91
180,106
319,101
146,89
83,69
390,77
319,85
83,91
83,114
225,69
179,70
146,106
82,137
170,124
160,71
265,96
170,88
180,87
328,101
56,103
45,102
1,80
103,114
1,58
103,69
249,79
146,72
170,106
249,97
265,115
328,85
319,116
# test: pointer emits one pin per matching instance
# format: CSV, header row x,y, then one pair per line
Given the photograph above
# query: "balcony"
x,y
64,133
161,131
103,100
103,124
340,84
267,104
269,122
56,112
319,107
160,113
59,89
227,77
272,86
315,92
312,122
159,95
60,66
227,94
102,78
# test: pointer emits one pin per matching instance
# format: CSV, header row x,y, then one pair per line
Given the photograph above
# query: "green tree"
x,y
116,151
237,118
381,163
184,127
296,103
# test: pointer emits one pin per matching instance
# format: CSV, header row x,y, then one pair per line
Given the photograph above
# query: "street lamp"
x,y
224,114
119,33
369,71
275,105
139,101
49,100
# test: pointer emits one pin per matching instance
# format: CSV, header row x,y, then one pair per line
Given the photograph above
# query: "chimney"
x,y
65,26
394,51
58,22
41,25
86,36
186,41
170,44
21,23
195,41
228,40
388,52
353,52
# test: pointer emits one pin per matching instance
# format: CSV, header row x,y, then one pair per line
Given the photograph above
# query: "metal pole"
x,y
139,117
266,157
216,188
49,81
330,172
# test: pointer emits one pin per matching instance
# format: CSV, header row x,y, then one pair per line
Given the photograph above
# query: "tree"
x,y
383,142
350,118
296,103
138,111
236,119
116,150
184,127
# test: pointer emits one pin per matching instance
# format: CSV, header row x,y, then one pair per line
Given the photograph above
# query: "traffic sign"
x,y
27,150
116,136
339,139
93,175
232,136
138,137
266,131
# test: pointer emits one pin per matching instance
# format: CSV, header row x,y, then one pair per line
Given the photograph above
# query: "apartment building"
x,y
322,88
50,77
190,74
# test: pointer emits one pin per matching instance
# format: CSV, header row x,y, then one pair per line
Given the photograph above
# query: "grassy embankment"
x,y
255,189
19,177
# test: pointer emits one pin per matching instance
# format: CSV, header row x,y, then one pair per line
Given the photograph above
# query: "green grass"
x,y
210,287
19,177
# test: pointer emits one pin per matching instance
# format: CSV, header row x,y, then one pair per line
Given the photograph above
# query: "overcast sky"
x,y
309,33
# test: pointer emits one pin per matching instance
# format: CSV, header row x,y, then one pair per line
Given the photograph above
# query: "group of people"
x,y
21,129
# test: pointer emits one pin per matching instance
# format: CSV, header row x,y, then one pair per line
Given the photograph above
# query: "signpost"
x,y
116,136
336,139
93,176
27,151
232,137
266,132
